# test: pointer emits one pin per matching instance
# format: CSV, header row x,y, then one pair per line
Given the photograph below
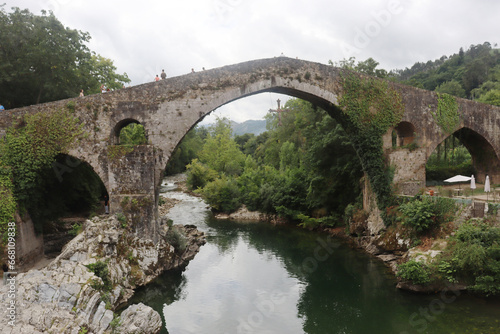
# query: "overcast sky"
x,y
144,37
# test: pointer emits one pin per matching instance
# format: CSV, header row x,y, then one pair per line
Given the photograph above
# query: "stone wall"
x,y
29,245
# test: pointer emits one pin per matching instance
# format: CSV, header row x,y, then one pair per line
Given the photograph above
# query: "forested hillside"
x,y
473,74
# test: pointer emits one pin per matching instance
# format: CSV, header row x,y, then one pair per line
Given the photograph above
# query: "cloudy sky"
x,y
144,37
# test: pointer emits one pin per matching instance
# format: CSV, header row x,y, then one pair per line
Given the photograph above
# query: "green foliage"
x,y
7,201
299,166
414,271
116,152
424,212
222,194
370,104
115,323
371,107
75,229
311,223
122,219
448,270
452,87
41,60
199,174
471,73
176,238
186,151
368,67
473,257
83,330
133,134
100,269
31,149
491,97
220,152
446,115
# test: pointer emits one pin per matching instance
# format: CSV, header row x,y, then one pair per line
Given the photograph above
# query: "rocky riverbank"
x,y
97,272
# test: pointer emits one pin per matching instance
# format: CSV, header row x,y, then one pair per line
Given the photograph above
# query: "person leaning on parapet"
x,y
81,92
157,78
2,108
163,75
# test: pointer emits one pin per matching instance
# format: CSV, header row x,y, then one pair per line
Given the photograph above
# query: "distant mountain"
x,y
251,126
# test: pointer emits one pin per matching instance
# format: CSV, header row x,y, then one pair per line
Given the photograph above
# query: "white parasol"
x,y
472,184
487,188
458,179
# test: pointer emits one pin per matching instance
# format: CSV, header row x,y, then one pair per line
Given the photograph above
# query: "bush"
x,y
100,269
419,214
473,256
222,195
176,238
426,212
414,271
198,175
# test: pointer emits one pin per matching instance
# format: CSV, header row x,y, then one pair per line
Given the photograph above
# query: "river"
x,y
263,279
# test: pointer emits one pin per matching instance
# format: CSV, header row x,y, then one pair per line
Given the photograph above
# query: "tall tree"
x,y
41,60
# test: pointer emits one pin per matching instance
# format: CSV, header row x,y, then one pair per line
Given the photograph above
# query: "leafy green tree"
x,y
41,60
133,134
222,194
220,152
186,151
491,97
451,87
102,71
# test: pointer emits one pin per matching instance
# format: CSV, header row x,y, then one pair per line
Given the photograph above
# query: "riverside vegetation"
x,y
305,170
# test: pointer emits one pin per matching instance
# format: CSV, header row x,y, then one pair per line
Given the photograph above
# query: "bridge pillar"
x,y
132,181
409,170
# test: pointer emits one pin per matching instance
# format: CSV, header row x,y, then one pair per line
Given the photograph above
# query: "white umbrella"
x,y
472,184
487,186
457,179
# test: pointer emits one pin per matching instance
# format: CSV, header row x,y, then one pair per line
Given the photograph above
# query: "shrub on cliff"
x,y
414,271
426,212
474,256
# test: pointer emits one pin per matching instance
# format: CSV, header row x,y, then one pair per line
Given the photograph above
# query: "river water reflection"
x,y
258,278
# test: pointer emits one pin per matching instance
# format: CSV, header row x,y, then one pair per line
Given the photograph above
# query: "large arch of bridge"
x,y
484,156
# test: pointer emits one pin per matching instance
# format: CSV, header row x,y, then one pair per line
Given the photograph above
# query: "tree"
x,y
451,87
220,152
491,97
41,60
102,72
133,134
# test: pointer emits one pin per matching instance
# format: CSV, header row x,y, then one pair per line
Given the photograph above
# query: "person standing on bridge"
x,y
81,92
163,75
106,204
2,108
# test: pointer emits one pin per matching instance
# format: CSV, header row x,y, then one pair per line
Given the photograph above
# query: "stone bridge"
x,y
168,109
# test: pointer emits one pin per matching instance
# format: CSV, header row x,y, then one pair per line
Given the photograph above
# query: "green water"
x,y
258,278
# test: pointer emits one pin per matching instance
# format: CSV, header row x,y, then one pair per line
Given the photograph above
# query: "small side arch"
x,y
115,136
403,134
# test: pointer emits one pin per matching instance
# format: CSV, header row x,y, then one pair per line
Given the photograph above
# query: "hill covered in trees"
x,y
473,73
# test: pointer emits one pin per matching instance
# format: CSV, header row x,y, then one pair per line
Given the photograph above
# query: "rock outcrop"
x,y
67,297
